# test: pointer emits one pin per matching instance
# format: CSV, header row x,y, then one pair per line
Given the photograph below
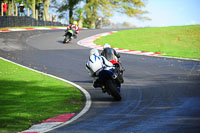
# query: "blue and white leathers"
x,y
96,63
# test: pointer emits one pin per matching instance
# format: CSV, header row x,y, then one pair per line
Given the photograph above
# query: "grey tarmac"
x,y
159,94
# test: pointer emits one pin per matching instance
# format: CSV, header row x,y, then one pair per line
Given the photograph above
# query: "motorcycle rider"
x,y
107,50
95,64
74,27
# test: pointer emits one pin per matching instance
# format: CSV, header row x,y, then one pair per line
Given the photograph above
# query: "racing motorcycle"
x,y
109,82
109,79
68,36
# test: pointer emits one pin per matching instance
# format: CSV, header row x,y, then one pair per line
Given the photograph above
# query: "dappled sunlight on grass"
x,y
27,97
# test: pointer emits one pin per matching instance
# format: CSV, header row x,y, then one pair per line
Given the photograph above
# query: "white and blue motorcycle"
x,y
107,76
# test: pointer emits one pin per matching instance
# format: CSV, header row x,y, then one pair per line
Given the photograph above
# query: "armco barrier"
x,y
17,21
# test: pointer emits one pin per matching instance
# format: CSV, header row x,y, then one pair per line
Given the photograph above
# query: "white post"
x,y
55,18
50,15
36,14
16,11
28,12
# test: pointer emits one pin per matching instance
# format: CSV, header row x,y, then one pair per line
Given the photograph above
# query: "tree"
x,y
106,22
69,5
9,7
127,25
32,4
107,7
79,17
46,7
91,12
95,9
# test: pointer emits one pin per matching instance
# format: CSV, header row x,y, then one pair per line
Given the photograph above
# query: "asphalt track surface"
x,y
159,94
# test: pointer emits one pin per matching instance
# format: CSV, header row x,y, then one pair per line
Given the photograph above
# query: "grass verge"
x,y
175,41
27,97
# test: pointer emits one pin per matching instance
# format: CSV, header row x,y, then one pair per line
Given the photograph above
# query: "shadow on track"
x,y
86,81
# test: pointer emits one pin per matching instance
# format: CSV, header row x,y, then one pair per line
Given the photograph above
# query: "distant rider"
x,y
74,27
95,64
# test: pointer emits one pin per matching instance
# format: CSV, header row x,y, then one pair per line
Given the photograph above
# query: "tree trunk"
x,y
80,22
94,16
46,7
91,8
93,24
33,8
70,15
9,8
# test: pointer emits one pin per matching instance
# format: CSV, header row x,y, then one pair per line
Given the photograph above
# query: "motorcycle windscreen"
x,y
109,55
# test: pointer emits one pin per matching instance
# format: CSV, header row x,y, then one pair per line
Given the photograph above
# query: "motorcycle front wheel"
x,y
67,38
113,90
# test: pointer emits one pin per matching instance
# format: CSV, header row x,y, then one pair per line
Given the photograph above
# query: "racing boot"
x,y
96,84
75,36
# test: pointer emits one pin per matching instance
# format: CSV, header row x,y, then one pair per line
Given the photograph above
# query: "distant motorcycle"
x,y
68,36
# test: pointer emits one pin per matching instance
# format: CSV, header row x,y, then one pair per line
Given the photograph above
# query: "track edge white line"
x,y
87,95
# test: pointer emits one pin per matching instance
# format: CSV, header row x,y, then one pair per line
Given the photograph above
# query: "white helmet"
x,y
94,51
106,45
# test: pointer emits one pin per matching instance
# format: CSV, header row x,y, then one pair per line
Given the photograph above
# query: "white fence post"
x,y
16,11
28,12
1,9
36,14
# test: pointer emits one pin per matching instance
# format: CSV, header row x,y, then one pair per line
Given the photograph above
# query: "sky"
x,y
166,13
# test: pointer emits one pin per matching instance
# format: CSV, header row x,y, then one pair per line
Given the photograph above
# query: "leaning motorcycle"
x,y
111,78
68,36
109,81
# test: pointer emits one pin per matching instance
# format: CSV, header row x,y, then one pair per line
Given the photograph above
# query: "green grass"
x,y
175,41
27,97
